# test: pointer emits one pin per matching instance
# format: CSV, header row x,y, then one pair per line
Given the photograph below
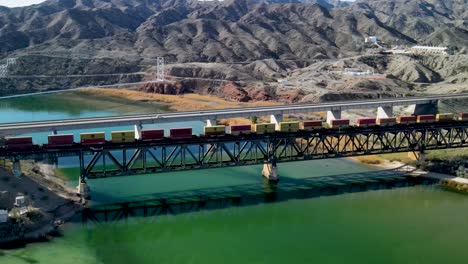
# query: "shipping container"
x,y
311,125
426,118
288,126
123,136
214,130
339,123
18,142
386,121
445,117
179,133
239,129
264,128
406,120
60,140
366,122
462,117
152,134
93,138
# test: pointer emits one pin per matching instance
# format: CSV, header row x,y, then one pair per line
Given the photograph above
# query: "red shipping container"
x,y
386,120
406,119
241,128
180,133
426,117
60,140
366,121
340,122
312,123
152,134
463,115
18,140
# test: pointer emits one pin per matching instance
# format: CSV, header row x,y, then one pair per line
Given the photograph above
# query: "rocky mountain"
x,y
233,30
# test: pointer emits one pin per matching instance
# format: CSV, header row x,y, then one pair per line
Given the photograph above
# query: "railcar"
x,y
264,128
93,138
462,117
180,133
422,119
406,120
311,125
445,117
339,123
237,130
152,134
288,126
18,142
366,122
386,121
214,130
123,136
60,140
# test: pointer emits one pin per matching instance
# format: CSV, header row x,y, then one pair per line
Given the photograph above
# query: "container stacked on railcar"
x,y
311,125
386,121
426,119
288,126
152,134
264,128
180,133
462,117
214,130
366,122
406,120
93,138
18,142
445,117
123,136
339,123
60,140
237,130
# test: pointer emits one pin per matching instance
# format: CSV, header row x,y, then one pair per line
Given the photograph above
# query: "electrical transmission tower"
x,y
160,69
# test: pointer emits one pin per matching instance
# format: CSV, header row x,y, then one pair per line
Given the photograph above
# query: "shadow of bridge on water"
x,y
251,194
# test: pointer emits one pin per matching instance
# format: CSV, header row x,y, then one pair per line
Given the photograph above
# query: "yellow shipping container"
x,y
264,128
95,135
288,126
125,134
215,129
445,117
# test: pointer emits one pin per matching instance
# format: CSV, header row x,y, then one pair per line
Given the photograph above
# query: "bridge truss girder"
x,y
275,148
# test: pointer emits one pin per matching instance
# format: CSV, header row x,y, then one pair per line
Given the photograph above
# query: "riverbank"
x,y
49,203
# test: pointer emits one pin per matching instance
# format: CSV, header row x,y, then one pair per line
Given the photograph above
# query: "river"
x,y
422,224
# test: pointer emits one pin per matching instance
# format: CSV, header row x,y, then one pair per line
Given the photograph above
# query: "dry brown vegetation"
x,y
184,102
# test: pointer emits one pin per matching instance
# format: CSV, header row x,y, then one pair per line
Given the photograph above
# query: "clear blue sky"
x,y
15,3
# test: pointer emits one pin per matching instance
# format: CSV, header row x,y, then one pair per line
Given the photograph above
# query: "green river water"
x,y
422,224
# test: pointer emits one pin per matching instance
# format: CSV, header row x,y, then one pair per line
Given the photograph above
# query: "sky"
x,y
15,3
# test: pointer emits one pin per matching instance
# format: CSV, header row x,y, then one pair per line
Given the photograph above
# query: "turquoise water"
x,y
423,224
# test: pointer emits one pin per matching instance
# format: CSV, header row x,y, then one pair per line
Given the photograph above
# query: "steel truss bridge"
x,y
214,152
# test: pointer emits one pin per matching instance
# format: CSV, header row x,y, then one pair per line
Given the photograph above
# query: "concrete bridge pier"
x,y
276,119
17,168
138,129
426,109
333,115
384,111
83,189
270,171
211,122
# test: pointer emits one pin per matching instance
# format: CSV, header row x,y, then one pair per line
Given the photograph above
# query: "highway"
x,y
143,119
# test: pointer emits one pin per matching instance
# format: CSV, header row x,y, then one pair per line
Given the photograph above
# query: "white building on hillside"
x,y
429,50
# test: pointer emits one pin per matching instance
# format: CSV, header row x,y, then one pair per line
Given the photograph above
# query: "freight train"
x,y
119,137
